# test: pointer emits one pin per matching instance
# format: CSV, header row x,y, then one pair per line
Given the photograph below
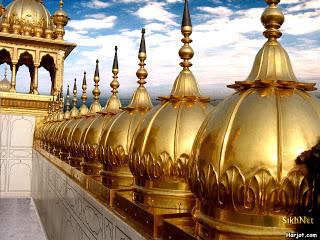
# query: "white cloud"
x,y
221,11
223,51
93,23
96,4
156,11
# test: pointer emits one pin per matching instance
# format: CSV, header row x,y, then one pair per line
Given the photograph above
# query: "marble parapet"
x,y
68,211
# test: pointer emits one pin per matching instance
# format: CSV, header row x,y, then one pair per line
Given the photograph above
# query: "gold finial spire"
x,y
60,116
272,19
186,52
115,70
142,73
141,97
57,107
95,106
60,4
113,105
74,110
84,109
272,62
67,114
186,84
53,108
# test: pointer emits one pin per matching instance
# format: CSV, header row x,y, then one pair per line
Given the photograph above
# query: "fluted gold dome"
x,y
29,16
245,172
118,133
92,136
66,132
76,140
162,144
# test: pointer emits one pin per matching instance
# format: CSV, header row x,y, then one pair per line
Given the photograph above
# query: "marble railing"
x,y
68,212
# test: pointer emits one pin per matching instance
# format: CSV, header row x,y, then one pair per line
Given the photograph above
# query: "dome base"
x,y
150,219
163,195
244,224
116,177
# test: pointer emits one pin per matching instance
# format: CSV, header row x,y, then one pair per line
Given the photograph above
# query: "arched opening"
x,y
5,72
5,57
22,80
47,63
25,70
5,67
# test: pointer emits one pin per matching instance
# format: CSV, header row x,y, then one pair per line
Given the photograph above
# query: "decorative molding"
x,y
259,193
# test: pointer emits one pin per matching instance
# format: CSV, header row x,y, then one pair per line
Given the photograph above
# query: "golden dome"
x,y
245,172
76,117
118,133
28,17
78,134
57,135
91,138
5,84
162,143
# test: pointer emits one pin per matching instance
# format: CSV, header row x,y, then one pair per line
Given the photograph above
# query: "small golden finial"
x,y
60,4
84,89
272,19
74,110
67,114
61,103
186,52
95,106
113,104
57,107
186,84
141,98
142,73
115,70
272,63
84,109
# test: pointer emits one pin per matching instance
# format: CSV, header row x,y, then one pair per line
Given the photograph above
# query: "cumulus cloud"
x,y
93,23
95,4
225,44
155,11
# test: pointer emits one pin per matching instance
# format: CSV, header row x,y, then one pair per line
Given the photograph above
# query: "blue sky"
x,y
227,35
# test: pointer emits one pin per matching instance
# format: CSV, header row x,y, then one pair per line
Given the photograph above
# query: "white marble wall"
x,y
68,212
16,138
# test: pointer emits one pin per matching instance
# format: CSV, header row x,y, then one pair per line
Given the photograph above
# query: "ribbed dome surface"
x,y
245,160
28,12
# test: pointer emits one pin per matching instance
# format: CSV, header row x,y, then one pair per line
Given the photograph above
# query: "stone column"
x,y
35,80
13,77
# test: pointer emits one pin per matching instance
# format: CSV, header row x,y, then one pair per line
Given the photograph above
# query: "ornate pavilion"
x,y
182,169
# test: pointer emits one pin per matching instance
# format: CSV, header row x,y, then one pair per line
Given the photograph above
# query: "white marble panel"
x,y
16,140
69,212
4,128
21,131
19,175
